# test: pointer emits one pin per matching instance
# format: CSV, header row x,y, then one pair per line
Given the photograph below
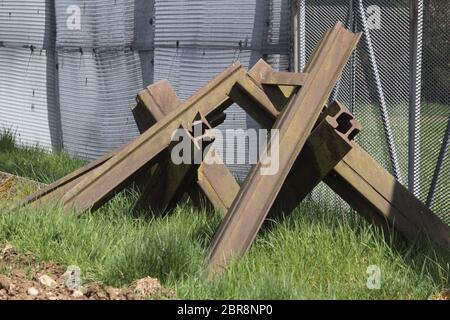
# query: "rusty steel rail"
x,y
218,184
101,184
169,182
57,189
367,187
372,196
371,190
284,78
144,120
327,145
295,123
162,189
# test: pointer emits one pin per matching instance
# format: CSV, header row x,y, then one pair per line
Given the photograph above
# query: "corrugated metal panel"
x,y
213,24
105,23
28,101
277,37
100,74
96,92
27,22
102,66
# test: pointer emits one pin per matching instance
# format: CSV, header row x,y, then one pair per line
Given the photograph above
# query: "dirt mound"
x,y
14,188
443,296
22,277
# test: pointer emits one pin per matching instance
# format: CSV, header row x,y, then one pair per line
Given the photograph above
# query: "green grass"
x,y
34,162
317,253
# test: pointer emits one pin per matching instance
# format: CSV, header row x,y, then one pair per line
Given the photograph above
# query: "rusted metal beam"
x,y
104,182
379,197
327,145
154,103
216,181
57,189
162,189
278,95
295,124
144,120
284,79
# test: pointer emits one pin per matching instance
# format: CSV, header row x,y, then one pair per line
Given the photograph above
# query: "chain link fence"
x,y
435,108
396,84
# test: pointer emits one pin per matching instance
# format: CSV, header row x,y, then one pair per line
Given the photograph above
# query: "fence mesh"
x,y
378,86
435,109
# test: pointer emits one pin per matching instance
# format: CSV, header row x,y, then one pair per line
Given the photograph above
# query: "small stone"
x,y
64,277
20,273
12,287
7,250
77,294
32,291
113,293
147,287
47,281
4,282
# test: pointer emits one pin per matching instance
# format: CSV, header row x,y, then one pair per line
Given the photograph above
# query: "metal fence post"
x,y
295,37
302,34
353,25
416,32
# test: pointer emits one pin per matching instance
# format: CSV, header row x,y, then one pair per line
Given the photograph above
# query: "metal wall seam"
x,y
278,30
25,23
216,24
94,24
28,104
96,93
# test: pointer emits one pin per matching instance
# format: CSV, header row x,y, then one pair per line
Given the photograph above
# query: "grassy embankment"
x,y
318,253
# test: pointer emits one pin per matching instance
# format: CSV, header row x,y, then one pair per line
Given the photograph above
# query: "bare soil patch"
x,y
23,277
